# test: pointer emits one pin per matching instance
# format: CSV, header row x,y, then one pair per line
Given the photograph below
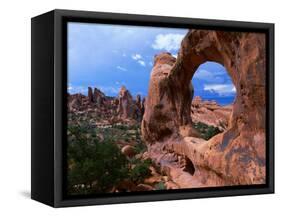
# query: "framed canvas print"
x,y
133,108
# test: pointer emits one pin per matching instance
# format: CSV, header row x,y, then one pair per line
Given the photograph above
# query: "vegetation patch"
x,y
95,163
90,162
206,131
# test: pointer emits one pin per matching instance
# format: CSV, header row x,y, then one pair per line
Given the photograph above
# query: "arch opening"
x,y
213,98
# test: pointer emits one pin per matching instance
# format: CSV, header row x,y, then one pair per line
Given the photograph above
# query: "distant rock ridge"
x,y
210,113
122,107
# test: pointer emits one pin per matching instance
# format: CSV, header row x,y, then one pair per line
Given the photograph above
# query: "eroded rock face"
x,y
126,106
142,106
158,120
90,94
139,107
138,101
98,97
236,156
75,102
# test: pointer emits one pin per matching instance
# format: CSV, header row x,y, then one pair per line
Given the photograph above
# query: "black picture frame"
x,y
49,90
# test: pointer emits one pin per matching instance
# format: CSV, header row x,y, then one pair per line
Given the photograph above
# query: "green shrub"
x,y
121,127
140,171
160,186
98,165
206,131
140,147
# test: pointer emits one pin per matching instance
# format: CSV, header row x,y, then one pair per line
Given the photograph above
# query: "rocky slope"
x,y
210,113
109,109
233,157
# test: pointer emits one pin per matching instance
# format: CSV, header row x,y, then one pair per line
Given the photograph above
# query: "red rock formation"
x,y
126,106
139,108
138,101
98,97
158,119
90,95
75,102
236,156
142,106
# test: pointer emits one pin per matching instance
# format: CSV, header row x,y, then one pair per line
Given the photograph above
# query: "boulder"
x,y
128,151
144,187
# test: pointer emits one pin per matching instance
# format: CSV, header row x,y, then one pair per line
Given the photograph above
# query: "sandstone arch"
x,y
236,156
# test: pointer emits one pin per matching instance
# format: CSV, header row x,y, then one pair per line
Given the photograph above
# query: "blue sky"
x,y
109,56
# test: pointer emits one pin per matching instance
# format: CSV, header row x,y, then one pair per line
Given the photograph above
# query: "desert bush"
x,y
206,131
160,186
140,147
140,171
96,165
121,127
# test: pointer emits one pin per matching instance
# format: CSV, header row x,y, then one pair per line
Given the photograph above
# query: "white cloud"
x,y
77,89
109,90
167,41
140,93
139,59
175,55
206,75
121,68
120,83
136,56
141,62
221,89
